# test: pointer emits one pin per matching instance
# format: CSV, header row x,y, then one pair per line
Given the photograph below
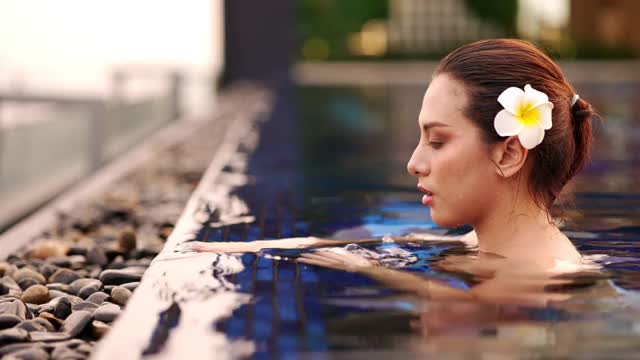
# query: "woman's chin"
x,y
444,221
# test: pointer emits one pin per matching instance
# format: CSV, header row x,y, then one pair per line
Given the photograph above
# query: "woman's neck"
x,y
516,229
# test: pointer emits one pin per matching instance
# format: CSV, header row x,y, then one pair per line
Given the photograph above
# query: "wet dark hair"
x,y
488,67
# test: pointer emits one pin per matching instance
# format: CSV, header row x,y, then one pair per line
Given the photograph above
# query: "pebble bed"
x,y
61,293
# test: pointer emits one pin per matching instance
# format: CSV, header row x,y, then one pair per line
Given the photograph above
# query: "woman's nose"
x,y
417,166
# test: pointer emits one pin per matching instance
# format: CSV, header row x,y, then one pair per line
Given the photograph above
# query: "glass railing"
x,y
48,143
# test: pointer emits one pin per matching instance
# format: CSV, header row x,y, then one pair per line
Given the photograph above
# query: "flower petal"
x,y
531,136
534,97
511,98
507,124
544,110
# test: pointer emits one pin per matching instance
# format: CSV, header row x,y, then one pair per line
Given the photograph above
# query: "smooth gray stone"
x,y
86,306
47,325
107,313
97,256
77,285
120,295
62,308
64,276
46,336
12,348
60,261
13,335
89,289
76,322
131,286
21,310
98,297
53,294
64,353
9,283
9,321
31,353
119,277
48,269
31,325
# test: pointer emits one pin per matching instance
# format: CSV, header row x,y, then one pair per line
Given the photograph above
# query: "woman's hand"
x,y
251,246
336,258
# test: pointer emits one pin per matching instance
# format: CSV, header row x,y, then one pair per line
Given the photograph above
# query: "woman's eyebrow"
x,y
433,124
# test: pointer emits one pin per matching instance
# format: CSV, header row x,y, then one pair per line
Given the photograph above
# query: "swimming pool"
x,y
331,161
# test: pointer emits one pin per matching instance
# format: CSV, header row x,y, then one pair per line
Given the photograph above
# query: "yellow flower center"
x,y
527,114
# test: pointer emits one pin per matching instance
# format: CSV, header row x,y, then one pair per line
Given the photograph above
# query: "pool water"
x,y
331,163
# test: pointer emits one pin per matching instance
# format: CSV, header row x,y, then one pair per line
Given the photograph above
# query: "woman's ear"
x,y
509,156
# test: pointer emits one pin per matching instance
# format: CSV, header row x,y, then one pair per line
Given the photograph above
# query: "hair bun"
x,y
581,110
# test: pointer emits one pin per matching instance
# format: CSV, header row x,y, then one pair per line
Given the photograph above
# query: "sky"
x,y
71,44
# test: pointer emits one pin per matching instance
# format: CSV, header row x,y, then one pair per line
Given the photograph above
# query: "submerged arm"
x,y
502,288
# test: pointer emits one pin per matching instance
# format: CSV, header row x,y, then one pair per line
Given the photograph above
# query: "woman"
x,y
501,134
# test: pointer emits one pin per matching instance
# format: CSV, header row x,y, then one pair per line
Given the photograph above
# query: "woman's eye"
x,y
436,144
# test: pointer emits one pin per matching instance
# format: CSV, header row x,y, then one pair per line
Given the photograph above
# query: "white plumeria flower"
x,y
526,114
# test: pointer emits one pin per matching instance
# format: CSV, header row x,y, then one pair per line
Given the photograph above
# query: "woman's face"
x,y
452,160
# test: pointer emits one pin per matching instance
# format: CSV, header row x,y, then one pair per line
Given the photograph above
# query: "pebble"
x,y
56,294
13,348
76,322
27,283
7,285
54,321
64,276
21,310
107,313
8,321
120,295
89,289
62,308
30,353
49,248
76,286
58,286
98,297
86,306
96,256
99,329
13,335
60,261
26,273
131,286
119,277
36,294
47,336
47,325
127,240
48,269
5,268
64,353
31,325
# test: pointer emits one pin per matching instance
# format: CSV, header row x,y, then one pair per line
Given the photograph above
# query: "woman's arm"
x,y
501,289
314,242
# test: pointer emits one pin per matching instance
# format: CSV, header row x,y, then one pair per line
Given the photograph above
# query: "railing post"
x,y
97,135
175,95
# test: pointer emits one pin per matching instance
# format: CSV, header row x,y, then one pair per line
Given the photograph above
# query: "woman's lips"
x,y
427,198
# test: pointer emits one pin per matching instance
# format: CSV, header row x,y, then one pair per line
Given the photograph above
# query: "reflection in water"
x,y
346,179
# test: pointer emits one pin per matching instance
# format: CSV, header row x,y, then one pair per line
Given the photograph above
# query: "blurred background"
x,y
83,81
